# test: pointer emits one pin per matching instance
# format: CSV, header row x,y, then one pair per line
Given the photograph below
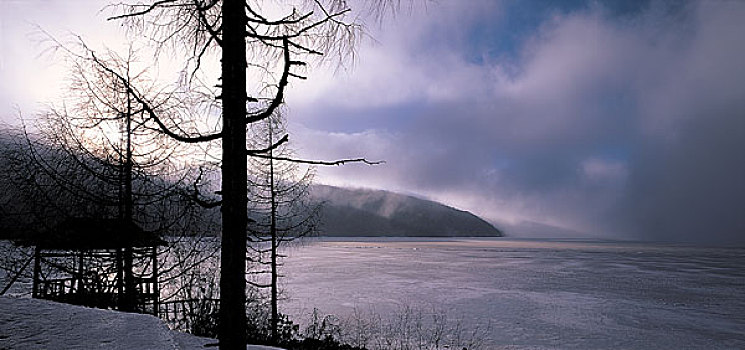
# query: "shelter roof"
x,y
95,233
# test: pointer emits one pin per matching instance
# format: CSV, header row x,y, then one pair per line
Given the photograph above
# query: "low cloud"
x,y
631,126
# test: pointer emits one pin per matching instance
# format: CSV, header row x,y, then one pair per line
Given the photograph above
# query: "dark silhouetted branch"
x,y
279,97
150,8
214,33
253,152
321,162
149,110
196,196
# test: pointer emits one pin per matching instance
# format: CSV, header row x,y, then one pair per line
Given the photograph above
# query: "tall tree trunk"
x,y
130,290
273,232
232,326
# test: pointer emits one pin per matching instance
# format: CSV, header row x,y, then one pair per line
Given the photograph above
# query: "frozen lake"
x,y
535,294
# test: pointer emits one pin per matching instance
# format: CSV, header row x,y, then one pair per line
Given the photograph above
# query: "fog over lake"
x,y
533,294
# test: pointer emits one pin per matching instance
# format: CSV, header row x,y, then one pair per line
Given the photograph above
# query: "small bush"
x,y
411,328
407,329
322,332
204,320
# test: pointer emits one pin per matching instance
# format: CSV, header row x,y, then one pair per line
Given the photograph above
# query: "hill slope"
x,y
363,212
347,212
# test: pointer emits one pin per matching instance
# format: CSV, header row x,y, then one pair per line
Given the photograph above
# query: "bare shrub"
x,y
411,328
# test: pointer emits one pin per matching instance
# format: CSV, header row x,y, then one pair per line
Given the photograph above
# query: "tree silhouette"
x,y
279,205
241,35
95,157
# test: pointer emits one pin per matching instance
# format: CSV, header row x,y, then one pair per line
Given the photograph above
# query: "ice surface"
x,y
535,294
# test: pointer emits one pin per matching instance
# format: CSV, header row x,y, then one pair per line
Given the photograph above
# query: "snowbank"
x,y
41,324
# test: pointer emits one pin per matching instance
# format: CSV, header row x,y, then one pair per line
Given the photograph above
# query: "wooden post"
x,y
37,272
119,279
80,288
156,288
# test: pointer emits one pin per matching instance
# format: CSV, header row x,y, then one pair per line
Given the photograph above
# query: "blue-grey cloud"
x,y
627,124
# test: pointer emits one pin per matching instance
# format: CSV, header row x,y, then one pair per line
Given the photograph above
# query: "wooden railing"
x,y
90,291
190,314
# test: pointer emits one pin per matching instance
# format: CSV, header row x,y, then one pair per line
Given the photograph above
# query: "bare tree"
x,y
279,205
240,34
96,157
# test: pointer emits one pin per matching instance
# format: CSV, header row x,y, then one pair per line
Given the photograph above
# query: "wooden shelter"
x,y
85,261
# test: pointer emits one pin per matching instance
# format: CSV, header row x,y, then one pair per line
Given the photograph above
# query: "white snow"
x,y
40,324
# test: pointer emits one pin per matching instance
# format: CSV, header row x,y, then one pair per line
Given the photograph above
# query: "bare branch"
x,y
320,162
279,97
149,110
258,285
152,7
214,33
252,152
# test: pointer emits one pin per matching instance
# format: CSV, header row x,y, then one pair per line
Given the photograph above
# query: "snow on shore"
x,y
40,324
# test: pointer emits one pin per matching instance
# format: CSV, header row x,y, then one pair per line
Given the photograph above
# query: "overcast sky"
x,y
612,119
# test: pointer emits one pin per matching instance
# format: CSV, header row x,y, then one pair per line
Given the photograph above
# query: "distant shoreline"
x,y
518,242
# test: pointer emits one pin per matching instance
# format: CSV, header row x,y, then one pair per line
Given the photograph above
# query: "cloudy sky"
x,y
613,119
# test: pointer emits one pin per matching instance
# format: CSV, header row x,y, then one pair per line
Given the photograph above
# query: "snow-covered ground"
x,y
39,324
